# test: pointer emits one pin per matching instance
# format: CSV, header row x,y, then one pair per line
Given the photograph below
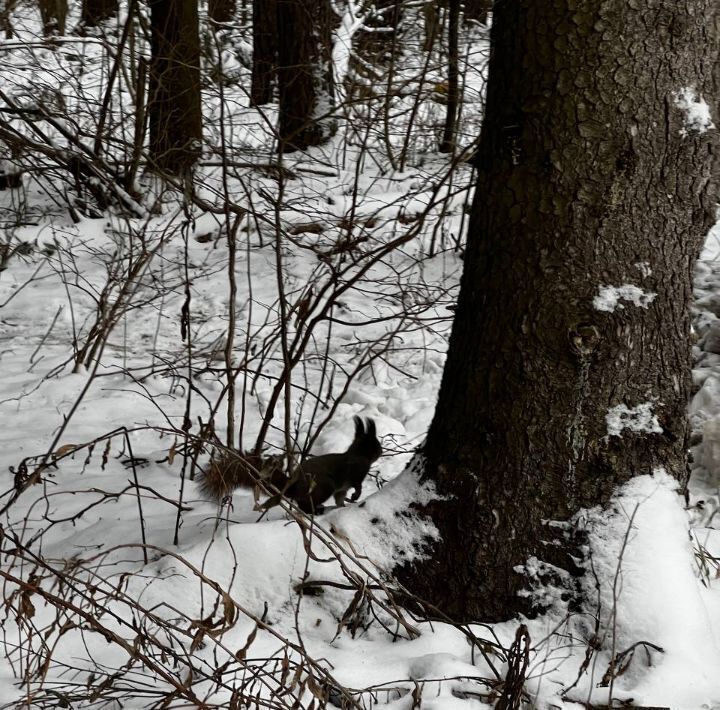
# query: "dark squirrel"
x,y
314,480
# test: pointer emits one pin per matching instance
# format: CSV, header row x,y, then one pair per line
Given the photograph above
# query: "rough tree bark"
x,y
265,51
304,73
597,170
173,107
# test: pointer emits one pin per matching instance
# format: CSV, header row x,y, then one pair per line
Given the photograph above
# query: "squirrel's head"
x,y
365,443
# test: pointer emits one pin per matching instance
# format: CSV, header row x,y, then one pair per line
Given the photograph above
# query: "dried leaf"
x,y
88,458
172,452
240,655
27,608
65,449
230,612
106,454
197,641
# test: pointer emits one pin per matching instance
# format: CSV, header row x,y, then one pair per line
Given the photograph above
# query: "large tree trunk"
x,y
265,51
569,363
173,107
304,72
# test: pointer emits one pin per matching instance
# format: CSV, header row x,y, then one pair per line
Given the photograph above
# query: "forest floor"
x,y
113,339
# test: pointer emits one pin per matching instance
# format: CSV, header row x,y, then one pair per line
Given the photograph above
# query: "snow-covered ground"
x,y
122,584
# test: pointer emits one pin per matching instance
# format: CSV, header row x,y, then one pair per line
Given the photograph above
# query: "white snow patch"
x,y
638,419
644,268
706,402
378,530
697,113
710,458
350,23
609,297
711,249
648,591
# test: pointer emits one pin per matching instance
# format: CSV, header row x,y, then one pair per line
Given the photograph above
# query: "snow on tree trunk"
x,y
351,22
569,363
377,40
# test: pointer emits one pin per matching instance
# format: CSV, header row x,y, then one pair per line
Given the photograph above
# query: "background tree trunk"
x,y
590,175
431,24
6,10
304,72
265,51
478,10
173,107
96,11
221,10
53,14
447,145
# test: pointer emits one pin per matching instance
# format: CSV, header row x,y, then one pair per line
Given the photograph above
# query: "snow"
x,y
711,448
351,21
609,298
711,247
639,418
219,592
644,268
650,592
697,116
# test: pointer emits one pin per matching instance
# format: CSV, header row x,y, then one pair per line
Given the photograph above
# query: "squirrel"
x,y
314,481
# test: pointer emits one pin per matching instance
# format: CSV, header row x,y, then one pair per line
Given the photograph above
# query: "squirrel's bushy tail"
x,y
232,469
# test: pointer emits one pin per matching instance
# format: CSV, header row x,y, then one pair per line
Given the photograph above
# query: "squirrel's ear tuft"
x,y
359,428
370,429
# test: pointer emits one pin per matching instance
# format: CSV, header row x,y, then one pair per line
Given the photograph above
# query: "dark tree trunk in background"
x,y
478,10
96,11
265,51
10,177
173,107
6,9
447,145
431,24
53,14
304,72
221,10
589,177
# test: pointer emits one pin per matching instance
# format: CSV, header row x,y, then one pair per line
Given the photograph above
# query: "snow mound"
x,y
649,592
